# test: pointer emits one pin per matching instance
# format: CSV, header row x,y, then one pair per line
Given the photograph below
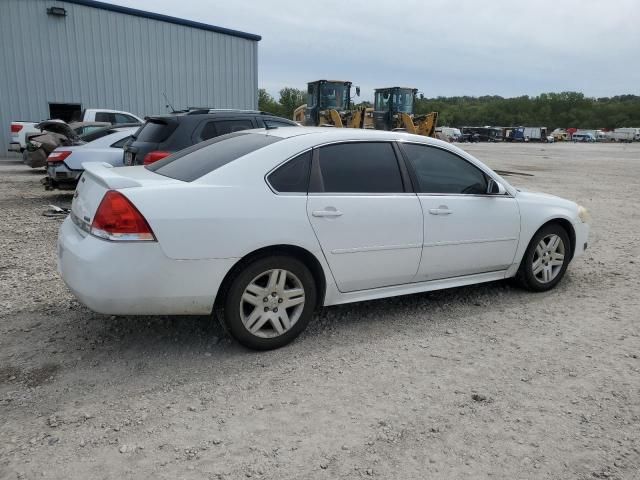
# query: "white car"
x,y
64,164
267,225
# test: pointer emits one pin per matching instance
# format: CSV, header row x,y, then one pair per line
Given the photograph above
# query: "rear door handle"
x,y
441,210
326,213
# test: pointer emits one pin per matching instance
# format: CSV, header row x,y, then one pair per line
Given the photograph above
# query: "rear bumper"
x,y
136,278
15,147
61,176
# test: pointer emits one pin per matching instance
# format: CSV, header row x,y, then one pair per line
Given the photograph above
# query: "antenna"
x,y
164,94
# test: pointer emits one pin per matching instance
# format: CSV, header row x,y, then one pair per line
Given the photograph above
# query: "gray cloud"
x,y
466,47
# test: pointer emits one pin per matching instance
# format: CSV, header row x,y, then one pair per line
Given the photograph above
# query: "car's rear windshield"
x,y
96,134
196,161
155,131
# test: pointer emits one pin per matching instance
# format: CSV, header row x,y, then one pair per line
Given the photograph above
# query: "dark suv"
x,y
162,135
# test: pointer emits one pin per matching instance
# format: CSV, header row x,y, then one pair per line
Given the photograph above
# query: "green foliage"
x,y
552,110
290,99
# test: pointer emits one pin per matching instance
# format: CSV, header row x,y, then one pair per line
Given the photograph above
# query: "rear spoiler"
x,y
104,174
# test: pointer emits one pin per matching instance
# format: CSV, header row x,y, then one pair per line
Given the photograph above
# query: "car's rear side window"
x,y
293,176
359,167
222,127
196,161
155,131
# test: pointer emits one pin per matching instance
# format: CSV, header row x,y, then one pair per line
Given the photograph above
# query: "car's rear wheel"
x,y
270,302
546,259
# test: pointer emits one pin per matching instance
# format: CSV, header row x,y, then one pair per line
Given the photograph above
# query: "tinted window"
x,y
359,168
121,118
198,160
103,117
120,143
278,123
222,127
96,134
440,171
293,176
155,131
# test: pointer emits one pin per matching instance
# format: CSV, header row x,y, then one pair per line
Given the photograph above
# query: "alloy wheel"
x,y
272,303
548,258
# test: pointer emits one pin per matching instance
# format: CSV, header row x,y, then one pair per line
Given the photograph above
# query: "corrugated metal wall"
x,y
105,59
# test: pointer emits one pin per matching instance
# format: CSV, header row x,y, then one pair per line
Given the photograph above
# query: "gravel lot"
x,y
477,382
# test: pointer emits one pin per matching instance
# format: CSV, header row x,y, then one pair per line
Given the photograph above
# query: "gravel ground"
x,y
477,382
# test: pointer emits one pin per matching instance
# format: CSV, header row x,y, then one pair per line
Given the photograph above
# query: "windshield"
x,y
382,101
205,157
334,96
403,101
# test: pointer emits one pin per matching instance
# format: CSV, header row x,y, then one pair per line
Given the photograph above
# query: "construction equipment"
x,y
329,105
394,110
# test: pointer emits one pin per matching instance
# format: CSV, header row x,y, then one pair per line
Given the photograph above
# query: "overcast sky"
x,y
441,47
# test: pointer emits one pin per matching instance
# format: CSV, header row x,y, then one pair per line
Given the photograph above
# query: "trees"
x,y
552,110
290,99
564,109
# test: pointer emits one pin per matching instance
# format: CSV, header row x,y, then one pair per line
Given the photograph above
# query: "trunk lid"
x,y
98,178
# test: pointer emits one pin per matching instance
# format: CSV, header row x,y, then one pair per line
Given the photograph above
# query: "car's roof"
x,y
331,133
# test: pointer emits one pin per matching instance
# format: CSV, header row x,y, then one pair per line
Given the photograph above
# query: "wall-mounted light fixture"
x,y
57,11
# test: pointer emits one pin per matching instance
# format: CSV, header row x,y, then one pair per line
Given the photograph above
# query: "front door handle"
x,y
327,213
441,210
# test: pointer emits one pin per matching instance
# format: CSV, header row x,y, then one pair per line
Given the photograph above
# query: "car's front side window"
x,y
440,171
358,167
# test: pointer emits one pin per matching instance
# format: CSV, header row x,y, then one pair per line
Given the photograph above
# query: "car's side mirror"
x,y
495,188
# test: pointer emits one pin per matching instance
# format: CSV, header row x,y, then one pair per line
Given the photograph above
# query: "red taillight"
x,y
15,128
118,219
58,156
155,156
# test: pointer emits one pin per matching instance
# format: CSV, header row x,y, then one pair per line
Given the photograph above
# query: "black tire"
x,y
525,277
233,301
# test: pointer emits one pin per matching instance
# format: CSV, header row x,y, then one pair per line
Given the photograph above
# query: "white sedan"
x,y
64,164
265,226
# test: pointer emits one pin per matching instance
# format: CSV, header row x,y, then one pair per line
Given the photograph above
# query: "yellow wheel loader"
x,y
393,110
329,105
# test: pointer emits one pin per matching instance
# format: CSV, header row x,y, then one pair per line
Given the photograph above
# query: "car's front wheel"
x,y
270,302
546,259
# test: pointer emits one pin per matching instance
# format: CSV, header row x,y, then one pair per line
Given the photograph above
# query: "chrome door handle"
x,y
441,210
326,213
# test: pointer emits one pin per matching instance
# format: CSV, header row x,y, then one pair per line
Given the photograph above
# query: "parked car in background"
x,y
162,135
114,117
450,134
19,129
267,225
583,137
64,164
625,135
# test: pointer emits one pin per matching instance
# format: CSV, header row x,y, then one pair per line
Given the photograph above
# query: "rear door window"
x,y
155,131
122,118
104,117
198,160
358,167
216,128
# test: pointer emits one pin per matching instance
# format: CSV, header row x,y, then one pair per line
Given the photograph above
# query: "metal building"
x,y
63,55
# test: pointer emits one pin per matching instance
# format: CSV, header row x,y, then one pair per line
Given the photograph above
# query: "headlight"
x,y
583,214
